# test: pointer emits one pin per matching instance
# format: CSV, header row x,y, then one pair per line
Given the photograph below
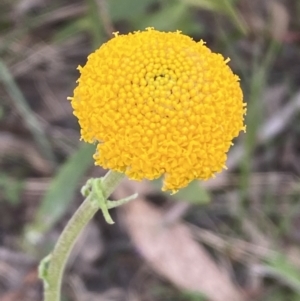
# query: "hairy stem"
x,y
57,260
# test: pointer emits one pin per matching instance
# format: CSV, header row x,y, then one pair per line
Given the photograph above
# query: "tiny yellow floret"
x,y
159,103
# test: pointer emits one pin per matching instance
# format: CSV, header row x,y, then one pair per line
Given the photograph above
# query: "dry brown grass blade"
x,y
236,249
172,252
105,18
280,19
13,146
280,182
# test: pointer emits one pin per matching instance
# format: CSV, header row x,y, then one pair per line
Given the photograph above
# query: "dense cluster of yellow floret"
x,y
159,103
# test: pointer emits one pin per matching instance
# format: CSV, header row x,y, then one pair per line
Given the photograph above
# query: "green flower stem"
x,y
52,267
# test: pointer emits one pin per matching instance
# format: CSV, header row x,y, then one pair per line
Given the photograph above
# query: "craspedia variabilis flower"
x,y
159,103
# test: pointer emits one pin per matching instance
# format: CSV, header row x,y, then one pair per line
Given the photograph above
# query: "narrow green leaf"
x,y
61,192
282,269
96,26
222,6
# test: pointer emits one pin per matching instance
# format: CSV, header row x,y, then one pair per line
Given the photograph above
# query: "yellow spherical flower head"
x,y
159,103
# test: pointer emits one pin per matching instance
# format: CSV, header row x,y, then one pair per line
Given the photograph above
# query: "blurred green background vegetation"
x,y
247,219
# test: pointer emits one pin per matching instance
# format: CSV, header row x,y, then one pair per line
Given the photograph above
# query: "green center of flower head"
x,y
159,103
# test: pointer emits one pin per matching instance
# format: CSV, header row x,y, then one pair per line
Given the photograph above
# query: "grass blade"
x,y
27,114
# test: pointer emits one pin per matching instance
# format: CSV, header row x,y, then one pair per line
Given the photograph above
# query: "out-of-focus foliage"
x,y
247,218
